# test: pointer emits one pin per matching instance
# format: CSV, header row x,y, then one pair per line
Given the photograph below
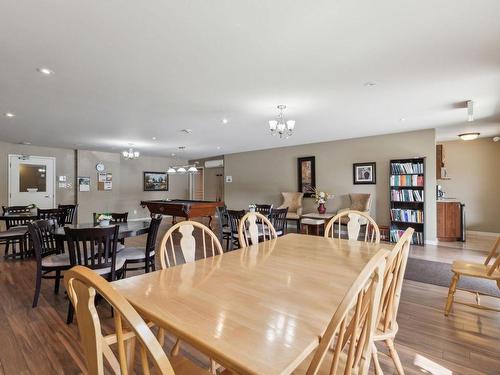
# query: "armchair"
x,y
293,201
359,202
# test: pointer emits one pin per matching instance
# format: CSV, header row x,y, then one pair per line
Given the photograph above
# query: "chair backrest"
x,y
353,220
154,225
353,324
55,214
264,209
234,217
360,202
115,217
187,243
82,285
254,226
278,218
292,200
69,212
11,222
393,282
492,255
15,209
94,248
42,235
222,215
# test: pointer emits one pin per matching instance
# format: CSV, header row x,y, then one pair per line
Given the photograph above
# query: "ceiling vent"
x,y
214,163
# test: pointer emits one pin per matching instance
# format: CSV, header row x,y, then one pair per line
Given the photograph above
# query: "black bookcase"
x,y
407,198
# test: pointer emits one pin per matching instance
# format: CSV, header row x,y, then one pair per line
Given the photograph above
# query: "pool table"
x,y
185,208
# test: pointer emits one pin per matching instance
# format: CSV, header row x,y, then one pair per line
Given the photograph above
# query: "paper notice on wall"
x,y
108,185
101,177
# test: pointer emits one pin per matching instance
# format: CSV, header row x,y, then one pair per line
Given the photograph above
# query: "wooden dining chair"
x,y
49,263
264,209
387,326
489,270
94,248
15,209
234,217
69,212
346,344
254,227
16,234
56,214
353,220
187,247
118,348
142,258
278,218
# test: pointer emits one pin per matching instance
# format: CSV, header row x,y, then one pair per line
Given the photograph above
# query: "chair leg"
x,y
7,243
160,336
57,281
376,363
176,348
395,357
451,293
38,283
71,311
297,223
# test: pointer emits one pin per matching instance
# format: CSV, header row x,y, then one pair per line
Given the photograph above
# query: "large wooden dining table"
x,y
257,310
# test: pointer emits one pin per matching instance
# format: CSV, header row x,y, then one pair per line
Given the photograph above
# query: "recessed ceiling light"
x,y
218,147
225,121
402,119
370,84
9,114
468,136
45,71
153,138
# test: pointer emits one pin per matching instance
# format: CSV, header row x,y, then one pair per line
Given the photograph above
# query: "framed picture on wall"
x,y
364,173
155,181
307,175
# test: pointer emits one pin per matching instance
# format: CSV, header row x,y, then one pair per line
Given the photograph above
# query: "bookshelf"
x,y
407,198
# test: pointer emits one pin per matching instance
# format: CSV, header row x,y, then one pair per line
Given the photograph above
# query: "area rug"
x,y
437,273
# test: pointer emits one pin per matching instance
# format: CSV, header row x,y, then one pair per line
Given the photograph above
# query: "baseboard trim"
x,y
431,242
476,232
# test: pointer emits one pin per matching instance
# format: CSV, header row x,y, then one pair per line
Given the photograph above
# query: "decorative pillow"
x,y
292,200
360,202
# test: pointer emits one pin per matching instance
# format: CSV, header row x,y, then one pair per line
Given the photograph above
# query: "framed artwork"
x,y
307,175
155,181
83,183
364,173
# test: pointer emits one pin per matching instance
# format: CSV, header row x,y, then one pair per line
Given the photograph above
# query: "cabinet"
x,y
449,221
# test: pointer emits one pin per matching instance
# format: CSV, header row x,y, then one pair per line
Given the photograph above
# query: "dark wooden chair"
x,y
55,214
49,264
16,234
234,217
94,248
264,209
278,219
115,217
223,220
15,209
145,257
69,212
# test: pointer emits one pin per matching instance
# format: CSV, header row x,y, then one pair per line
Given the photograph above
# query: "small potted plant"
x,y
320,197
104,219
251,207
33,208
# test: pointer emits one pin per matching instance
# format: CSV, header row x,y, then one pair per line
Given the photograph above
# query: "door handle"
x,y
47,196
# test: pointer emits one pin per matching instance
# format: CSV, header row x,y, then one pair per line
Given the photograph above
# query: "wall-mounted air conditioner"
x,y
214,163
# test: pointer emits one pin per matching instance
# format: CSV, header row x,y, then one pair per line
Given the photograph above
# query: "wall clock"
x,y
100,167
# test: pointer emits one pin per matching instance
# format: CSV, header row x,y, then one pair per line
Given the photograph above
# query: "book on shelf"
x,y
407,168
407,180
407,195
407,216
417,238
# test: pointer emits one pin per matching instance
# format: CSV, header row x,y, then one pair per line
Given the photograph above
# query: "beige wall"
x,y
474,169
65,166
127,179
260,176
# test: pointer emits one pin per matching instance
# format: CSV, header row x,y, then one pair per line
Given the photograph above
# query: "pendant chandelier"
x,y
181,169
130,154
280,126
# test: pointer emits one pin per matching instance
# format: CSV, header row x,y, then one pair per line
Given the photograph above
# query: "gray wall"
x,y
473,168
127,179
260,176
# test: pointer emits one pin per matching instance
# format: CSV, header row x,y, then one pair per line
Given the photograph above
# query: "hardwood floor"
x,y
37,341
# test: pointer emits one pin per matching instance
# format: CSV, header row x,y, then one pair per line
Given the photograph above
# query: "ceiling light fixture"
x,y
45,71
370,84
153,138
469,136
225,121
187,131
130,153
191,168
9,114
280,126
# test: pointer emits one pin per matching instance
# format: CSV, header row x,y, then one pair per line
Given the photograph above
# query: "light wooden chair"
x,y
353,220
387,326
187,244
254,226
82,285
489,270
346,345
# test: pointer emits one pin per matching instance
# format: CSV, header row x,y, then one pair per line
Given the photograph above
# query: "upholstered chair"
x,y
293,201
359,202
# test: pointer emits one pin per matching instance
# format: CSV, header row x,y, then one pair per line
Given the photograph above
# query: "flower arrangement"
x,y
104,219
252,207
320,197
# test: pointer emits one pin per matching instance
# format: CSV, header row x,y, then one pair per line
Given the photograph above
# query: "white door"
x,y
32,181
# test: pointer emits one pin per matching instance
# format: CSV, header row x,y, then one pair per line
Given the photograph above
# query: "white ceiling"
x,y
126,71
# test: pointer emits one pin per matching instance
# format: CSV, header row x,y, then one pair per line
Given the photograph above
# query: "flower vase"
x,y
104,223
321,208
